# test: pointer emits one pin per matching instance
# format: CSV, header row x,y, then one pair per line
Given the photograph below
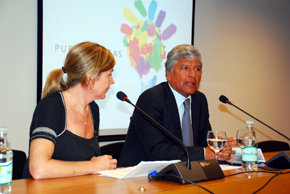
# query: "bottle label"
x,y
5,173
249,154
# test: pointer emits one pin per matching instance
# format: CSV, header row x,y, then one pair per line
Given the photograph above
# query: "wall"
x,y
18,68
245,48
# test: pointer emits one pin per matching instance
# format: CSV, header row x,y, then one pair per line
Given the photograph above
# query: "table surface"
x,y
241,183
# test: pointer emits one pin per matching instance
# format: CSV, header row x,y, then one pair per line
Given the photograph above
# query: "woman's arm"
x,y
42,166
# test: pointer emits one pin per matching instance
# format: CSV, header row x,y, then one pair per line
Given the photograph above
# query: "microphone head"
x,y
121,96
224,99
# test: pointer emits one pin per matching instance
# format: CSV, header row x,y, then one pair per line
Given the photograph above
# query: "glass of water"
x,y
240,137
216,140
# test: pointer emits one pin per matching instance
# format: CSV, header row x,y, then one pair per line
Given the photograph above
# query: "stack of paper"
x,y
142,169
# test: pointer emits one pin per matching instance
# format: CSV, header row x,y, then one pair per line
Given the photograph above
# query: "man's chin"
x,y
192,91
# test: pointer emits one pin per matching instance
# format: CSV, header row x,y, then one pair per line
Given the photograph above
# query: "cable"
x,y
266,183
174,176
270,180
252,172
270,172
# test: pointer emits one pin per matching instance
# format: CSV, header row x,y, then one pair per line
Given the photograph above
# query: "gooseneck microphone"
x,y
182,171
225,100
123,97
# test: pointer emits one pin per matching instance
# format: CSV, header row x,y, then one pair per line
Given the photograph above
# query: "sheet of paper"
x,y
237,157
142,169
229,167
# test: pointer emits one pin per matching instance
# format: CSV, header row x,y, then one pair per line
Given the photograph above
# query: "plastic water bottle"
x,y
6,158
249,152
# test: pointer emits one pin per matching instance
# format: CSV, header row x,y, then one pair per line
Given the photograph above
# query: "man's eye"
x,y
184,67
197,68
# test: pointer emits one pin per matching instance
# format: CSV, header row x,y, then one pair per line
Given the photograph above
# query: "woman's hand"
x,y
105,162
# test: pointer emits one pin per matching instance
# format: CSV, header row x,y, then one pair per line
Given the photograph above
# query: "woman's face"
x,y
102,84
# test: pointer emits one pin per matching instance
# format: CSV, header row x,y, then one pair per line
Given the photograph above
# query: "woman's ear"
x,y
89,82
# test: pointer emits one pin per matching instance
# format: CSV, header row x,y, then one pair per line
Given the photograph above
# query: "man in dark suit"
x,y
164,103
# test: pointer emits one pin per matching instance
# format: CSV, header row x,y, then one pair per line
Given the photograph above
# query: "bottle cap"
x,y
3,129
249,123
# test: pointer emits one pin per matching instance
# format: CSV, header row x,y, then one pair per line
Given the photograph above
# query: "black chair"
x,y
272,146
19,160
113,149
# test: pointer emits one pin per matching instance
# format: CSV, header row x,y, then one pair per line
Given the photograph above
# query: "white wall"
x,y
245,48
18,68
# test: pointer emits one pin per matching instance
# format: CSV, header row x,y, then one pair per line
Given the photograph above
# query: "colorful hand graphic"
x,y
144,39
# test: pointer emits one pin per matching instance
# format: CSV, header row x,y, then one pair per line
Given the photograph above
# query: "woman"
x,y
65,124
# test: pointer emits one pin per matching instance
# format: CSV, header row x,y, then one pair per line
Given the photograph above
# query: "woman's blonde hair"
x,y
83,63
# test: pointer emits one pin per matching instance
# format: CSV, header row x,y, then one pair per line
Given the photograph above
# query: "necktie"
x,y
187,135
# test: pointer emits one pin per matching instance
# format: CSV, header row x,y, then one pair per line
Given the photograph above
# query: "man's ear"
x,y
168,75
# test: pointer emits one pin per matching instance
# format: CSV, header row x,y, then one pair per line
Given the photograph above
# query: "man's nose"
x,y
192,72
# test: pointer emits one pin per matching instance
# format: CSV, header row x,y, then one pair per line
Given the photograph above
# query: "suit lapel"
x,y
195,116
173,111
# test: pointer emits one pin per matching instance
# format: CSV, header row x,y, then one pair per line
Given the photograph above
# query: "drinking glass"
x,y
240,137
216,140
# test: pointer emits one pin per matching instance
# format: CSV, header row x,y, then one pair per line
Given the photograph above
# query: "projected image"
x,y
144,40
139,33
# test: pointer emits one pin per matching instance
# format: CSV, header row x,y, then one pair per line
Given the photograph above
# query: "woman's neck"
x,y
77,98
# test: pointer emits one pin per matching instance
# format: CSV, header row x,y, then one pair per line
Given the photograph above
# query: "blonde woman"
x,y
65,124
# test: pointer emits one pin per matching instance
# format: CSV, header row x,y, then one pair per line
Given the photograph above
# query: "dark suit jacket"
x,y
145,141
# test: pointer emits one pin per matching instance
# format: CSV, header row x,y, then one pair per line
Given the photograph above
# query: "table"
x,y
242,183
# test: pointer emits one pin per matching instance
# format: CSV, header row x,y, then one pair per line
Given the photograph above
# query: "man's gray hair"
x,y
186,51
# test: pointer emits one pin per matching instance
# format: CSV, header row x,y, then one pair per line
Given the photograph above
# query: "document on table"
x,y
229,167
236,160
142,169
237,157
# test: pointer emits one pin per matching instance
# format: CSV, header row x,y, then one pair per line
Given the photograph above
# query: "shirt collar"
x,y
178,97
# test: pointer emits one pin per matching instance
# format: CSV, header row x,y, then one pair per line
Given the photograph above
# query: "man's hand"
x,y
225,153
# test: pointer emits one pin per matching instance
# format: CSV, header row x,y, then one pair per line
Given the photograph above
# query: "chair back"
x,y
19,160
272,146
113,149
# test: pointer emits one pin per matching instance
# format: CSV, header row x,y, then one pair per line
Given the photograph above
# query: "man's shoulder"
x,y
198,94
199,97
158,89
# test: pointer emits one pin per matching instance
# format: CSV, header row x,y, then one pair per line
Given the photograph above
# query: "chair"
x,y
272,146
113,149
19,160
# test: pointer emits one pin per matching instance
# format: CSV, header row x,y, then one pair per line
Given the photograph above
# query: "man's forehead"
x,y
189,61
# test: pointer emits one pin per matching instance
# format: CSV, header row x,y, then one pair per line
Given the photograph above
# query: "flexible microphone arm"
x,y
225,100
123,97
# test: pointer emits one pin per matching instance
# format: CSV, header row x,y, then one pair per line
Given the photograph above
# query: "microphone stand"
x,y
259,121
183,171
188,165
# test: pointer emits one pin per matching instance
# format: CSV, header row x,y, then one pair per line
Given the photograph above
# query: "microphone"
x,y
202,170
225,100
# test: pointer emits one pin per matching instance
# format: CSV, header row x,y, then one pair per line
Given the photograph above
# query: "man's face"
x,y
185,76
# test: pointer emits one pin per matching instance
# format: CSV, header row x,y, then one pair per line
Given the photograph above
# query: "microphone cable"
x,y
178,177
263,186
270,172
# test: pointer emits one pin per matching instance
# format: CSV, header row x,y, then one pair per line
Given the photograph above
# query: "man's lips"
x,y
190,84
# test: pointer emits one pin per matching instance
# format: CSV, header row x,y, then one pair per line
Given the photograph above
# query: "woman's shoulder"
x,y
55,98
48,118
51,106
